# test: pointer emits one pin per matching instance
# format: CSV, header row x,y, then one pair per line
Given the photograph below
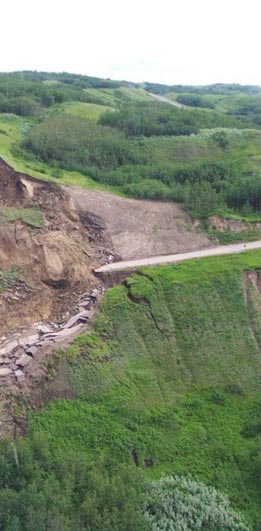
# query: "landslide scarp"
x,y
46,251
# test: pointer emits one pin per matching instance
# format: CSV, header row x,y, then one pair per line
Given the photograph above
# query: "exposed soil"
x,y
55,261
233,225
138,229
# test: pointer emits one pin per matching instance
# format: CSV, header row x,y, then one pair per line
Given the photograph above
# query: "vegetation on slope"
x,y
9,278
143,148
29,93
168,378
239,104
30,216
176,503
79,144
204,172
233,100
160,119
215,89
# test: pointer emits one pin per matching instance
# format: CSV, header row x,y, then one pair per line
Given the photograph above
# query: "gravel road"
x,y
174,258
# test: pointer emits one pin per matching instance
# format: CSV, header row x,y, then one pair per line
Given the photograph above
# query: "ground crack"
x,y
252,279
139,300
146,275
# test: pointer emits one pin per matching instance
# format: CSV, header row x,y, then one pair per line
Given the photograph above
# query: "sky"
x,y
168,41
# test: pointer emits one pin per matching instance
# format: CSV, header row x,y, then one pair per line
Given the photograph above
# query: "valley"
x,y
130,303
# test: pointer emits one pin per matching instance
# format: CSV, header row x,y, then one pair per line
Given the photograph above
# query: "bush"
x,y
180,504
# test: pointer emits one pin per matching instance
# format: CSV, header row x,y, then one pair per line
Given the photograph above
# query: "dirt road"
x,y
175,258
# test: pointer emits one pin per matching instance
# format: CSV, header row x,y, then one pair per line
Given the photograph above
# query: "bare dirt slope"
x,y
54,261
138,229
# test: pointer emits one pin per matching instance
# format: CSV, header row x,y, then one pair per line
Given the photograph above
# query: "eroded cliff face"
x,y
54,261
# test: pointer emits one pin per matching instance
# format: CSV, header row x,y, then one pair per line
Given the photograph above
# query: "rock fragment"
x,y
19,374
31,350
4,371
44,329
23,360
79,317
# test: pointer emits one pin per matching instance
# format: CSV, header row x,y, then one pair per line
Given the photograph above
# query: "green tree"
x,y
201,199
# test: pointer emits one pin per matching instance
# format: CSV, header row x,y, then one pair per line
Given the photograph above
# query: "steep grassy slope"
x,y
171,369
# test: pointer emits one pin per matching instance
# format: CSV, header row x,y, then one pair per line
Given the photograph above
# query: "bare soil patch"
x,y
55,261
136,228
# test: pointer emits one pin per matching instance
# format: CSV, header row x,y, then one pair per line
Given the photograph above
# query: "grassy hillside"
x,y
90,111
114,136
172,369
243,148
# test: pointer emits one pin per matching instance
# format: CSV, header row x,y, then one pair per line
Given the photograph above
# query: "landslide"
x,y
53,262
139,229
81,229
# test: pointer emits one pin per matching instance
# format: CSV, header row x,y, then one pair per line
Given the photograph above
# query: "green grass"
x,y
9,278
91,111
227,236
244,148
31,216
171,368
235,103
135,95
114,97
